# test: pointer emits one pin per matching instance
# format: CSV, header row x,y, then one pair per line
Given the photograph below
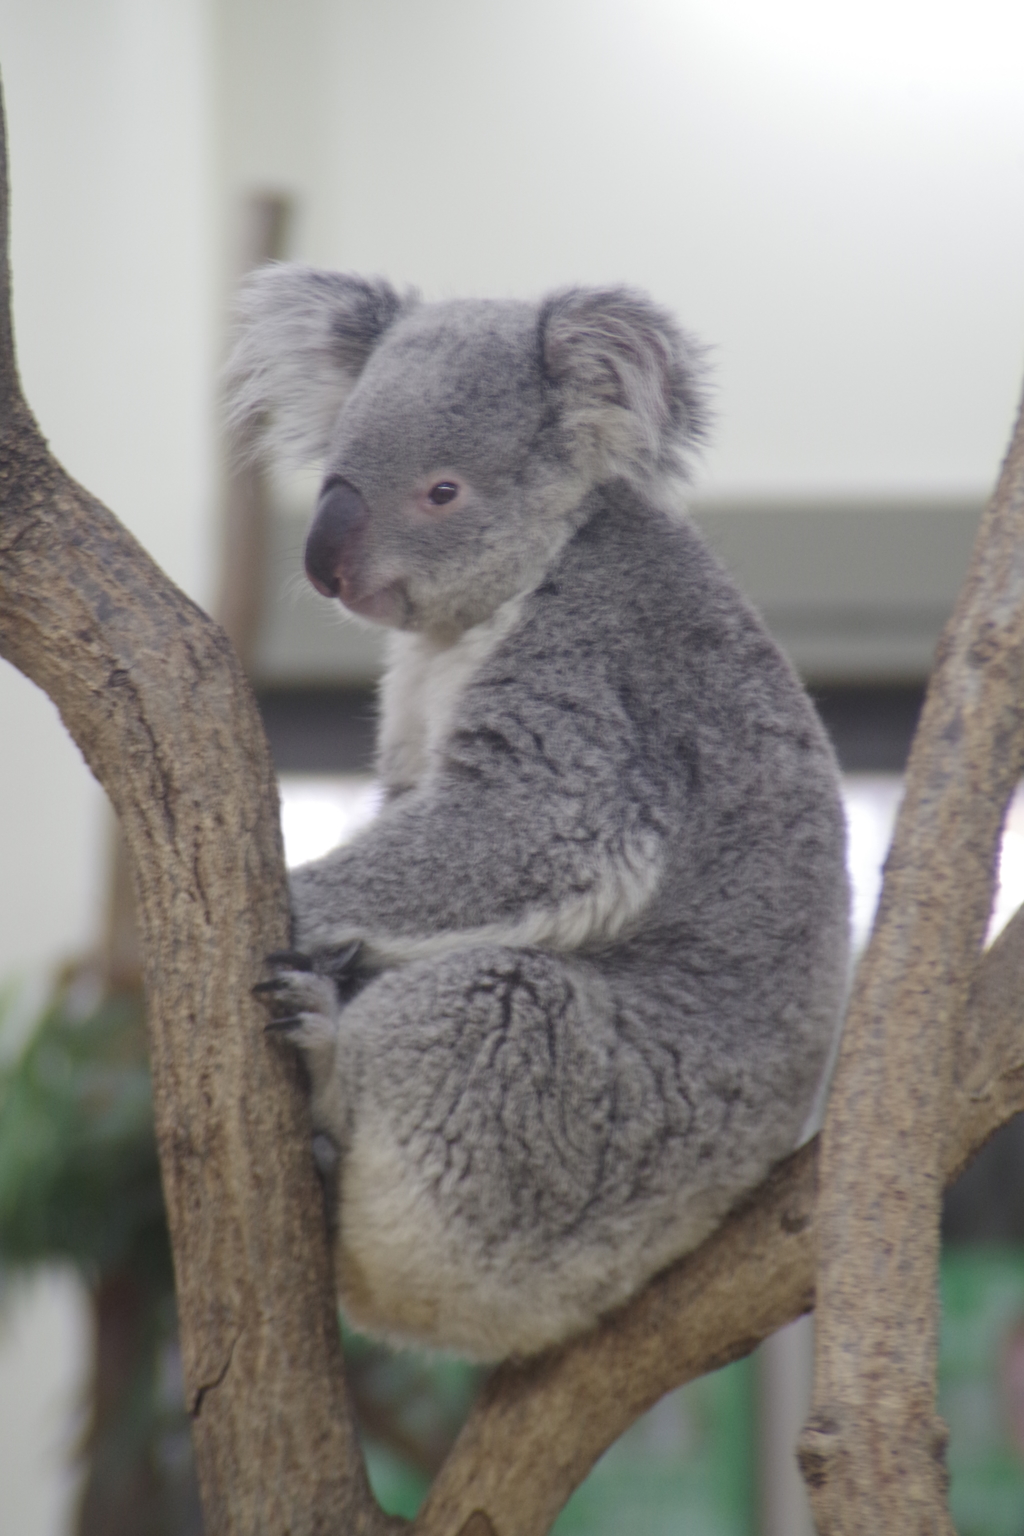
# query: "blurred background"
x,y
831,195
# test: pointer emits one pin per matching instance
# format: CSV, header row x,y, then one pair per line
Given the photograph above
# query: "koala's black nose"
x,y
341,515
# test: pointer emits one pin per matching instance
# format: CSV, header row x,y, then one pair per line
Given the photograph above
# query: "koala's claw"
x,y
290,959
267,988
286,1025
343,960
303,1005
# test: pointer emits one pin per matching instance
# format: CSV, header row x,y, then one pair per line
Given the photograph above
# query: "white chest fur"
x,y
421,690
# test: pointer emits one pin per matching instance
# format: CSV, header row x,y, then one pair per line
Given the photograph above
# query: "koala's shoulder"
x,y
639,617
639,583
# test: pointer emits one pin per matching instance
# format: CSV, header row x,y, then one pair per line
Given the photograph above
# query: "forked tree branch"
x,y
152,693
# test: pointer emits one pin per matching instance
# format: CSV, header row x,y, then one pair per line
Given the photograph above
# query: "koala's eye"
x,y
442,493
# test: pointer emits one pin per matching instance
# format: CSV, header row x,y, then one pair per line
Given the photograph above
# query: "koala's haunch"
x,y
572,994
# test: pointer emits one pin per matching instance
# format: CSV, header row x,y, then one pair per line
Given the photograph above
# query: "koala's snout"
x,y
341,516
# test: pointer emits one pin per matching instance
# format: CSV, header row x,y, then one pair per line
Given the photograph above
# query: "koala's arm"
x,y
537,825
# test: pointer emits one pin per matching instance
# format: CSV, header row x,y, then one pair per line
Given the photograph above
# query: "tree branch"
x,y
539,1427
152,693
874,1449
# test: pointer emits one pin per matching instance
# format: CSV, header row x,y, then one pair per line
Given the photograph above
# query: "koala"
x,y
572,994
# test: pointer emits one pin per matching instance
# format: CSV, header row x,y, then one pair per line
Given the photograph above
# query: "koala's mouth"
x,y
385,605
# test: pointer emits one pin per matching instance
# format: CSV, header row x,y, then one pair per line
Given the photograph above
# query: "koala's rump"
x,y
535,1137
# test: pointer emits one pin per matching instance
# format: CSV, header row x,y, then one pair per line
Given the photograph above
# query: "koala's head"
x,y
458,440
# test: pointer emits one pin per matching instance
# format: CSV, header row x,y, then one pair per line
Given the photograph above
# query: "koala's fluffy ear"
x,y
303,337
628,382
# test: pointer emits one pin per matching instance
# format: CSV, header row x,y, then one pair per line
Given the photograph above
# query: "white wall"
x,y
109,139
838,210
45,1348
109,118
850,242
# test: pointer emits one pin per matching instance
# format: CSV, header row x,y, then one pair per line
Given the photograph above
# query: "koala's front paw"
x,y
303,1004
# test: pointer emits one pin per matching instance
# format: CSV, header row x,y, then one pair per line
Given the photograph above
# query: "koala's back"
x,y
625,1070
717,751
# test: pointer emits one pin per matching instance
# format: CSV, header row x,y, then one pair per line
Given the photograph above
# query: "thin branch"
x,y
873,1451
246,511
10,389
151,691
539,1427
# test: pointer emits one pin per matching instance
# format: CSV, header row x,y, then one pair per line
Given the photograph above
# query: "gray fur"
x,y
603,914
303,339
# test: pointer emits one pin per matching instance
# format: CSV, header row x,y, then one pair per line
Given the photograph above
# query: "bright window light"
x,y
318,812
1010,892
872,801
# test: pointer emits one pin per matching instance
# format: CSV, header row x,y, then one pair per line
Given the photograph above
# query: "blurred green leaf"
x,y
79,1177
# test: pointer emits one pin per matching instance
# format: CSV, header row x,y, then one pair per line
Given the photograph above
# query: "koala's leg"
x,y
490,1123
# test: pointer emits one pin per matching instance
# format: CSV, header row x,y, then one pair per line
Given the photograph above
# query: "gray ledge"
x,y
856,591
